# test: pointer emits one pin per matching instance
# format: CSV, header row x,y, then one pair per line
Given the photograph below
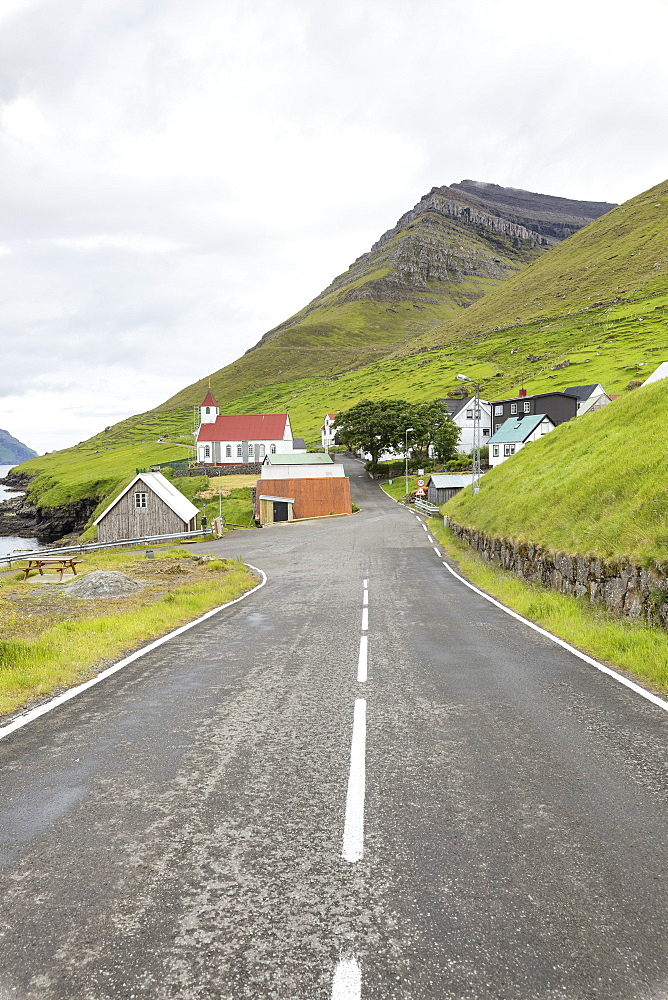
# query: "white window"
x,y
544,427
261,447
469,414
495,451
228,451
251,449
508,449
496,427
207,451
240,451
140,499
527,406
272,449
513,408
498,410
485,432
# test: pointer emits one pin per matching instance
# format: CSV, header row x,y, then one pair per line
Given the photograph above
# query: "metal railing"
x,y
427,508
93,546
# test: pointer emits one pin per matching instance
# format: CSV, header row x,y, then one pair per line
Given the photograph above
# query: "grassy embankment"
x,y
598,300
50,640
596,485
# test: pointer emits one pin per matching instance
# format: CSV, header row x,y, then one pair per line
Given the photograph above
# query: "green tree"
x,y
433,426
374,426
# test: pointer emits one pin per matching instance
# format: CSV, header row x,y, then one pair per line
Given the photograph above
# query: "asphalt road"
x,y
178,830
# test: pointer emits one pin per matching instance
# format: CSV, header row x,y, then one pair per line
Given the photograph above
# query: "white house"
x,y
589,397
462,413
327,432
658,374
239,439
313,466
515,432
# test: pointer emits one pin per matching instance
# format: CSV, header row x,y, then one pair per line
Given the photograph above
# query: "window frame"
x,y
141,500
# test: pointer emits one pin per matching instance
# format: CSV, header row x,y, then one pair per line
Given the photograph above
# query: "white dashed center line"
x,y
430,538
362,661
353,829
347,982
365,619
437,552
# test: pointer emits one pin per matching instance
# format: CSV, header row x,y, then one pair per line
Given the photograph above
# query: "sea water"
x,y
13,543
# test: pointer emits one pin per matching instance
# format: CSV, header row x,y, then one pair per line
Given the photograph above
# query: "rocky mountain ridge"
x,y
451,247
12,450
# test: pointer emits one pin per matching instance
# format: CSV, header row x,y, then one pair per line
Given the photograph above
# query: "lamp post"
x,y
476,433
406,454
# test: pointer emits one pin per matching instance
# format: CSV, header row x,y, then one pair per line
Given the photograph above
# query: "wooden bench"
x,y
59,564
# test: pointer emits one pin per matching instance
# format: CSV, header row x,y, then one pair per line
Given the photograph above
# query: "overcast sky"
x,y
178,176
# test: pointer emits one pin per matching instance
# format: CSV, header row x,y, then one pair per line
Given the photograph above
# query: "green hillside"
x,y
596,485
590,309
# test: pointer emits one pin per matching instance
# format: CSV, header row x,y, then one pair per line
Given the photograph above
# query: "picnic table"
x,y
60,564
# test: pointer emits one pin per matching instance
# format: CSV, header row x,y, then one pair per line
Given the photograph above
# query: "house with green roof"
x,y
515,432
313,465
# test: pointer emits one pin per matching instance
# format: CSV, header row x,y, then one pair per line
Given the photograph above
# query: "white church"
x,y
242,439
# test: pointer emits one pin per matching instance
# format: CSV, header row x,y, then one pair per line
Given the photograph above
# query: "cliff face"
x,y
553,218
451,247
12,450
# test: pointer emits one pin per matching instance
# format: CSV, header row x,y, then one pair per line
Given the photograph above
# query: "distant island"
x,y
12,450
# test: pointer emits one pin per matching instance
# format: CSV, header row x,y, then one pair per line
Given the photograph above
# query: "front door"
x,y
280,510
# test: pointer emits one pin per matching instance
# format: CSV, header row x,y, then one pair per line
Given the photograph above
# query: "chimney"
x,y
523,393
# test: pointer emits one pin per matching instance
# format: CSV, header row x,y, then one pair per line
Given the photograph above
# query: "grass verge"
x,y
638,649
50,640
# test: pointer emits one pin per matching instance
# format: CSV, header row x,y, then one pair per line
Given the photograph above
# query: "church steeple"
x,y
209,409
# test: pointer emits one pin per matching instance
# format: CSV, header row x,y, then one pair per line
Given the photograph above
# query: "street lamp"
x,y
406,454
476,433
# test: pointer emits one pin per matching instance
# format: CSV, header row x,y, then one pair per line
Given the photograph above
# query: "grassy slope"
x,y
599,299
594,485
69,639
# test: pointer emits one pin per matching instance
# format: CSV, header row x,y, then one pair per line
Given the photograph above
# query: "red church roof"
x,y
245,427
209,401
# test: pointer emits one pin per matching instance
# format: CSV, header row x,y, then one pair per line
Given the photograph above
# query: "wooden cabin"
x,y
149,505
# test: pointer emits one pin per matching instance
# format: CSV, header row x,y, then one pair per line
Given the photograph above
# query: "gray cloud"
x,y
178,178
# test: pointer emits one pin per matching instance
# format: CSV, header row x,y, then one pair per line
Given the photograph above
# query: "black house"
x,y
559,406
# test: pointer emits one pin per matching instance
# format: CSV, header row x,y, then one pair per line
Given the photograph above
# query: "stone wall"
x,y
623,588
250,469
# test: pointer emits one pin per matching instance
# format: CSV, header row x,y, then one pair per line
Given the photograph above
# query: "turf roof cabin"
x,y
149,505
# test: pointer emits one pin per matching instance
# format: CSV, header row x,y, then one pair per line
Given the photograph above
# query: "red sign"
x,y
420,482
420,492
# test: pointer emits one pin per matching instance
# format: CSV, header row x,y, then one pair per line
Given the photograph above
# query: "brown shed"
x,y
292,499
149,505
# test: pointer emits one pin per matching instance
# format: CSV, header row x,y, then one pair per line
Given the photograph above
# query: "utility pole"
x,y
475,453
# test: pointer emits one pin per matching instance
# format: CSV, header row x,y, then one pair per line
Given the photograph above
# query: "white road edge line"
x,y
659,702
425,528
430,538
347,982
437,552
353,828
362,660
35,713
365,619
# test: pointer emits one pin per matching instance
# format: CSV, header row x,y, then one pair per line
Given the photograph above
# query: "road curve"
x,y
178,830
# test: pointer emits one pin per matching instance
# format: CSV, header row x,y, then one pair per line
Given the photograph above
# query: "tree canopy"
x,y
375,426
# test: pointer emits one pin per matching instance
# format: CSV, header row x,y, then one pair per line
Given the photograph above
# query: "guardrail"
x,y
427,508
93,546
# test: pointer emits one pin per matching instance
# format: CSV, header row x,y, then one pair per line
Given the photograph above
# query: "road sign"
x,y
420,492
420,482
